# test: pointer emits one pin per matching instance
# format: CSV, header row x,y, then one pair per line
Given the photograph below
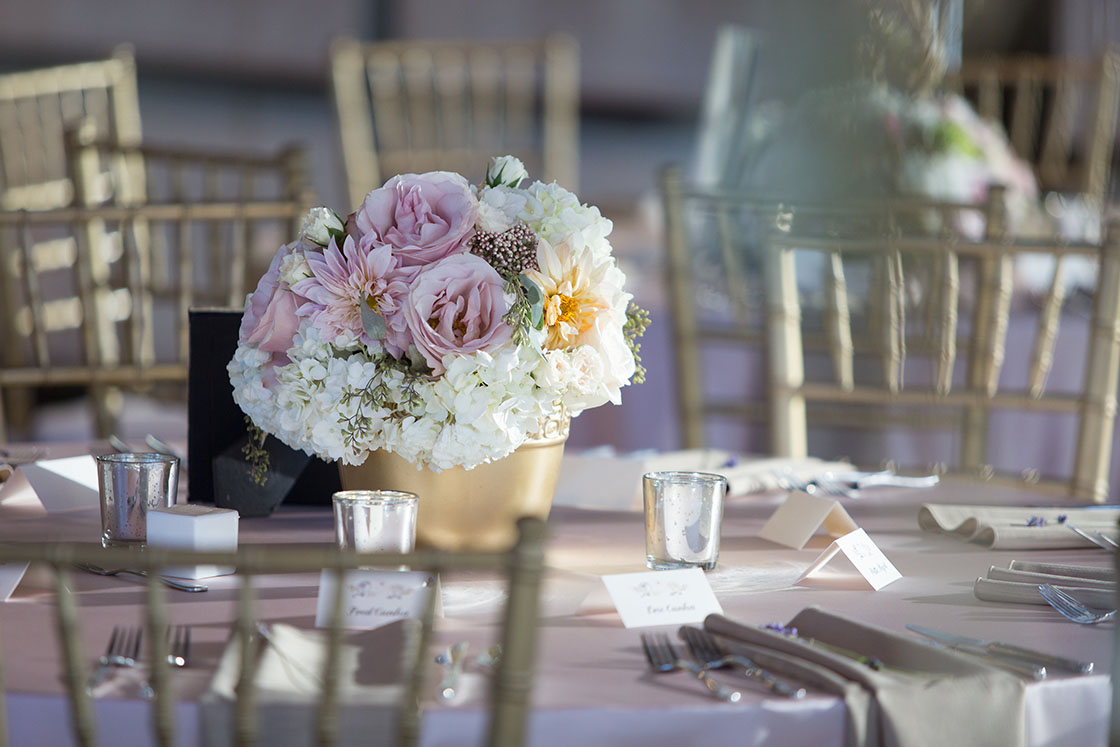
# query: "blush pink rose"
x,y
456,306
270,321
423,217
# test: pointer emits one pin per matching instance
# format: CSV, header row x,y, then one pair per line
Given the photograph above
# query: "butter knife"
x,y
1006,650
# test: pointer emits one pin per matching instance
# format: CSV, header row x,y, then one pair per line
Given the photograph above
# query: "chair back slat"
x,y
1042,357
839,321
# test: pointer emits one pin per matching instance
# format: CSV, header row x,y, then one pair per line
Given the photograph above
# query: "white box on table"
x,y
190,526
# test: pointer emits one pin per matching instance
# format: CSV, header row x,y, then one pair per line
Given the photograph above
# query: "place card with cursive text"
x,y
864,554
662,597
372,598
801,515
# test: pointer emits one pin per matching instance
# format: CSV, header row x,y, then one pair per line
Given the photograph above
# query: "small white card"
x,y
375,597
10,576
662,597
799,517
864,554
63,484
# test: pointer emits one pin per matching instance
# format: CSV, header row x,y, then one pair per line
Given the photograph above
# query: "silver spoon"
x,y
180,585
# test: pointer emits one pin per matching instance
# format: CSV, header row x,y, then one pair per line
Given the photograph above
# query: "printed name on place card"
x,y
372,598
864,554
801,515
662,597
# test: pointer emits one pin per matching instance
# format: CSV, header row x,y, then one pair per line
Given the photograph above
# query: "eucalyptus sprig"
x,y
255,453
527,310
375,394
637,321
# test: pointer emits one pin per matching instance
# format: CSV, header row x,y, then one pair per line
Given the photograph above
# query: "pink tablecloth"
x,y
592,686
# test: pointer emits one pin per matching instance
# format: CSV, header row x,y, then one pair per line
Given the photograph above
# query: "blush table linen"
x,y
592,685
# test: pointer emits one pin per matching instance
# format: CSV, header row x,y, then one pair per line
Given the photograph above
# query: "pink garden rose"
x,y
456,306
270,321
423,217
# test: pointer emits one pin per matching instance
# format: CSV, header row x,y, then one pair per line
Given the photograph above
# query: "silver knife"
x,y
1006,650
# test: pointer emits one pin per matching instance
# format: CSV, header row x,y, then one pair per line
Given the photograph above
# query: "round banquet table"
x,y
592,686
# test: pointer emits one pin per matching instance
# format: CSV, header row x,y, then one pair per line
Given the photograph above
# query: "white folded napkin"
x,y
1007,527
374,667
601,479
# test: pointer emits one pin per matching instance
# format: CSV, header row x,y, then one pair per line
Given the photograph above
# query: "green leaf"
x,y
372,322
535,298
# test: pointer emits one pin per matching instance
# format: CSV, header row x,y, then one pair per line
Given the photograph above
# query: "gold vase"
x,y
474,509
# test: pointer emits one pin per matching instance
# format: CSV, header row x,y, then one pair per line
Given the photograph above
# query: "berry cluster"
x,y
510,252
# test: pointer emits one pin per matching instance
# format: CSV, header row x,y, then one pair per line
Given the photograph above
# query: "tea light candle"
x,y
192,526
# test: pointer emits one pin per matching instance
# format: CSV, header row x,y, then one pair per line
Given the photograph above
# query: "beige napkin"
x,y
602,479
1018,584
5,471
374,666
925,695
1005,528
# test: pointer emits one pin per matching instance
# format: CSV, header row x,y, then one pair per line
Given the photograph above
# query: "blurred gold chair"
x,y
1060,114
716,306
102,317
416,106
37,107
521,568
912,332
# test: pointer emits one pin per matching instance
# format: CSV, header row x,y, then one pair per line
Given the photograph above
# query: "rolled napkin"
x,y
1016,592
936,696
1018,528
1101,573
5,471
374,668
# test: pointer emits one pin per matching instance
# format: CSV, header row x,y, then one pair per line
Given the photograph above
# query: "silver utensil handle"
x,y
1017,665
1039,657
180,585
714,686
773,683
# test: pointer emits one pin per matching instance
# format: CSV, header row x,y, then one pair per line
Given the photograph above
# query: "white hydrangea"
x,y
556,214
483,408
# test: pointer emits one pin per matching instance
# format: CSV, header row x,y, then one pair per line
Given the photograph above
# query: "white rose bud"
x,y
505,171
319,224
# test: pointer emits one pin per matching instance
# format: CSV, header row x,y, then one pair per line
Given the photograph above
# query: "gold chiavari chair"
x,y
415,106
99,321
520,567
920,331
1060,114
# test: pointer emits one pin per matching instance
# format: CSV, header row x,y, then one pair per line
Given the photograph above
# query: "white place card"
x,y
10,576
63,484
662,597
801,515
375,597
864,554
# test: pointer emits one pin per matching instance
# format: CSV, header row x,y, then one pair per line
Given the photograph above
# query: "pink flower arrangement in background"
x,y
440,321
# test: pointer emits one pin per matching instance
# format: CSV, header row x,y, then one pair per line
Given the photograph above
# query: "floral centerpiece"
x,y
439,321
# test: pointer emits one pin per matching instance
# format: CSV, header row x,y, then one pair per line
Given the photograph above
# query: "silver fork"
x,y
1070,608
122,650
708,654
663,658
179,643
180,653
